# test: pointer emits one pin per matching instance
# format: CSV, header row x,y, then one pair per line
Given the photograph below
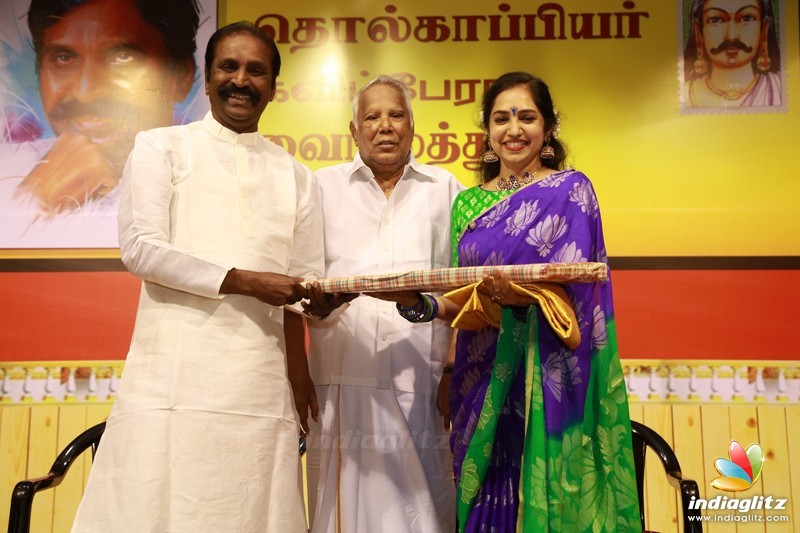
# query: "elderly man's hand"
x,y
74,172
305,395
320,304
443,399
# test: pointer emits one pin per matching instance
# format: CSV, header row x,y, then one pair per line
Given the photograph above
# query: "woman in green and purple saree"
x,y
541,431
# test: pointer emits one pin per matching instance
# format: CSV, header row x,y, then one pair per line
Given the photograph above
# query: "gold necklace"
x,y
732,94
511,183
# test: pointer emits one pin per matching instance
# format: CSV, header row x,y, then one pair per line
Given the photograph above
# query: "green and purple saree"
x,y
541,433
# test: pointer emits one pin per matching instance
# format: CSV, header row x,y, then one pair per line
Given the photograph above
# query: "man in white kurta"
x,y
378,457
217,221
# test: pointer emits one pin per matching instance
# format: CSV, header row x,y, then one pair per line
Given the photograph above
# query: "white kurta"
x,y
203,435
379,460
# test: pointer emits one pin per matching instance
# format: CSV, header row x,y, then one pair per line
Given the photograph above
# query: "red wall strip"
x,y
669,314
708,314
66,316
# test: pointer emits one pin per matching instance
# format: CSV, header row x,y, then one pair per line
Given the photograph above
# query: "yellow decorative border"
x,y
36,382
60,253
712,381
647,380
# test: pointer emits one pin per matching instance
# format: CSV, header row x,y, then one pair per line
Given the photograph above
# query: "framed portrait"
x,y
79,80
732,57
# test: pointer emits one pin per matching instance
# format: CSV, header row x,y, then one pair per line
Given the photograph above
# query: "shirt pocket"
x,y
423,245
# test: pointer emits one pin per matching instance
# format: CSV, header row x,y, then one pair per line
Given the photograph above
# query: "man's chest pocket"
x,y
422,245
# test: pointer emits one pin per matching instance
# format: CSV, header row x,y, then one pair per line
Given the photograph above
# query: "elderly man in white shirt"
x,y
378,456
222,226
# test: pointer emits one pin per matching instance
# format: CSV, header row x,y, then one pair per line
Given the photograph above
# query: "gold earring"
x,y
763,63
700,65
547,151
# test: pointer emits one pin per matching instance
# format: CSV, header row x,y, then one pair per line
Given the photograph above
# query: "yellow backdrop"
x,y
669,183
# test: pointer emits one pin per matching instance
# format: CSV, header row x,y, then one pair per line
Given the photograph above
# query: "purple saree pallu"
x,y
558,455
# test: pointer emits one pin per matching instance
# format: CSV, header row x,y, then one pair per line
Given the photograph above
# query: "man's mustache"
x,y
730,45
232,90
102,107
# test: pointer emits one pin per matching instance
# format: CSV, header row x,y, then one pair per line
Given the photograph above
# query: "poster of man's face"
x,y
731,57
81,78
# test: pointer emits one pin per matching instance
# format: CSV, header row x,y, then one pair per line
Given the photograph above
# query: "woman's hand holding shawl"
x,y
481,305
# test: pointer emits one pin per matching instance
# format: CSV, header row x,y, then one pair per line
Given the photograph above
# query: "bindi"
x,y
513,111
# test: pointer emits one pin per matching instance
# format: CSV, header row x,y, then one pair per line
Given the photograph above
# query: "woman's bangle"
x,y
425,310
434,304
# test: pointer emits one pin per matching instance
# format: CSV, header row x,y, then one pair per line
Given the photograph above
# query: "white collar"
x,y
359,170
228,135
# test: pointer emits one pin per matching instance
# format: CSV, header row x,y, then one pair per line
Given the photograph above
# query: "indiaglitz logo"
x,y
741,470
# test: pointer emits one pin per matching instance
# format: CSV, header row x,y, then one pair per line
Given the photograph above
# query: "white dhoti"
x,y
203,433
385,471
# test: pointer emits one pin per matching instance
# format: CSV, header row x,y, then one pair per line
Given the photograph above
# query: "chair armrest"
x,y
88,439
660,446
689,492
688,488
19,518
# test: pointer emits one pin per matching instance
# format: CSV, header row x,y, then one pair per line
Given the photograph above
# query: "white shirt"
x,y
168,224
370,344
206,372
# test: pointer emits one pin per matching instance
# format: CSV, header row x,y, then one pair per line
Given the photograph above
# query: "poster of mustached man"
x,y
78,80
732,56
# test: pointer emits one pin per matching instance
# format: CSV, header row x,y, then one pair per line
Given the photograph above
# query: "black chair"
x,y
19,518
644,437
